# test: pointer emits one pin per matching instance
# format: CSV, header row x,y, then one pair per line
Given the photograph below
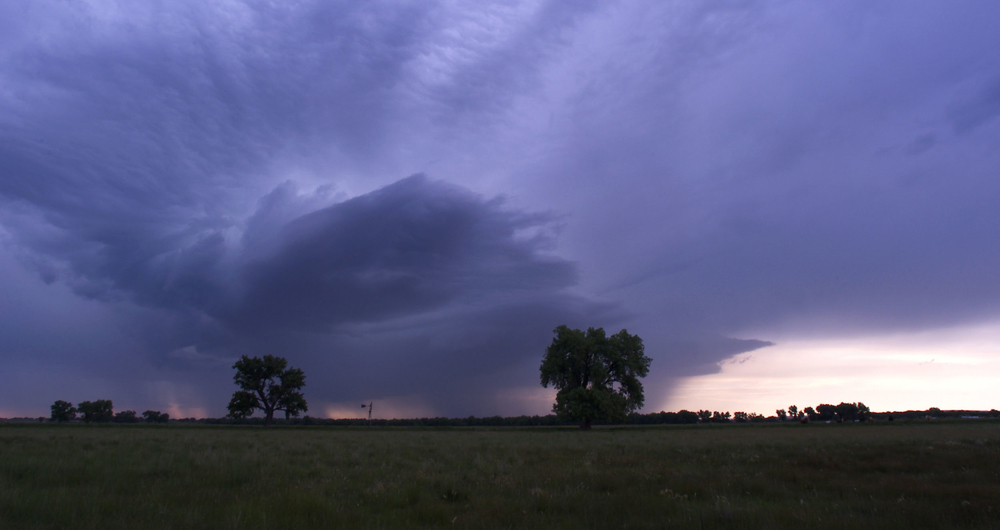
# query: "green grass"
x,y
901,475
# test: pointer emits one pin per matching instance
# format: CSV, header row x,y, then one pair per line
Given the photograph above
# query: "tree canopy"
x,y
597,376
155,416
266,384
99,411
125,416
63,411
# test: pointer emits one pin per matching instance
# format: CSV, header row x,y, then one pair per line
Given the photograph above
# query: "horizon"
x,y
787,202
761,417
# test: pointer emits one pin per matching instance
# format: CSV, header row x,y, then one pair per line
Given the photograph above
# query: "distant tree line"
x,y
101,411
683,417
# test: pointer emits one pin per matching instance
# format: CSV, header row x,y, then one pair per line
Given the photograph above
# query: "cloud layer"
x,y
182,183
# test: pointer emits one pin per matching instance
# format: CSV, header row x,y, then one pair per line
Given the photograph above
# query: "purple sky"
x,y
404,199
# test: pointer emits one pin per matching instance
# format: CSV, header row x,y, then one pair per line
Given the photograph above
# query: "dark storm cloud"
x,y
409,248
133,143
426,283
202,181
418,288
404,249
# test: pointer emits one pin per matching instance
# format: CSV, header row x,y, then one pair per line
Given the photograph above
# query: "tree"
x,y
685,416
265,384
100,411
720,417
781,414
847,411
826,412
597,377
155,416
793,411
125,416
63,411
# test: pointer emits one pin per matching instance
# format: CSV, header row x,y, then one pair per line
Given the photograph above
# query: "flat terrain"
x,y
891,475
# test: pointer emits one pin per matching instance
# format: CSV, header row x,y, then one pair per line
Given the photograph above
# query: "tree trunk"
x,y
268,417
585,425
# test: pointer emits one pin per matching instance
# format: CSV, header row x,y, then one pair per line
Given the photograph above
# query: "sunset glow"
x,y
956,368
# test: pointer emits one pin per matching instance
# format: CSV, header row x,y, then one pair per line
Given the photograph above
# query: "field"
x,y
890,475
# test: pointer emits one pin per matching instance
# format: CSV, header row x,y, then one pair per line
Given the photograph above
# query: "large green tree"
x,y
267,385
597,376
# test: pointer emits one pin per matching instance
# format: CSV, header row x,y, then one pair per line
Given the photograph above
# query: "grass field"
x,y
899,475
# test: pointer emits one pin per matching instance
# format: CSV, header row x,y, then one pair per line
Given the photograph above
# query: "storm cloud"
x,y
406,199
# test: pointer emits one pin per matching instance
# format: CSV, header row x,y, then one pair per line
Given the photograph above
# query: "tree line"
x,y
102,411
682,417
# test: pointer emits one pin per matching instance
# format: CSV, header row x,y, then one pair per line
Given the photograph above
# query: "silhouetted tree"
x,y
100,411
63,411
810,413
826,412
720,417
781,415
847,411
597,376
741,417
266,385
126,416
793,412
705,416
686,416
155,416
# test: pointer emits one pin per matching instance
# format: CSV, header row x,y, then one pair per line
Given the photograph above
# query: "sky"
x,y
789,202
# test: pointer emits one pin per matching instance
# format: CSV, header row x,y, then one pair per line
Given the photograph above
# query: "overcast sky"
x,y
405,198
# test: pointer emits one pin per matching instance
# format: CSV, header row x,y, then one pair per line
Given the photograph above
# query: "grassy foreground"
x,y
901,475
